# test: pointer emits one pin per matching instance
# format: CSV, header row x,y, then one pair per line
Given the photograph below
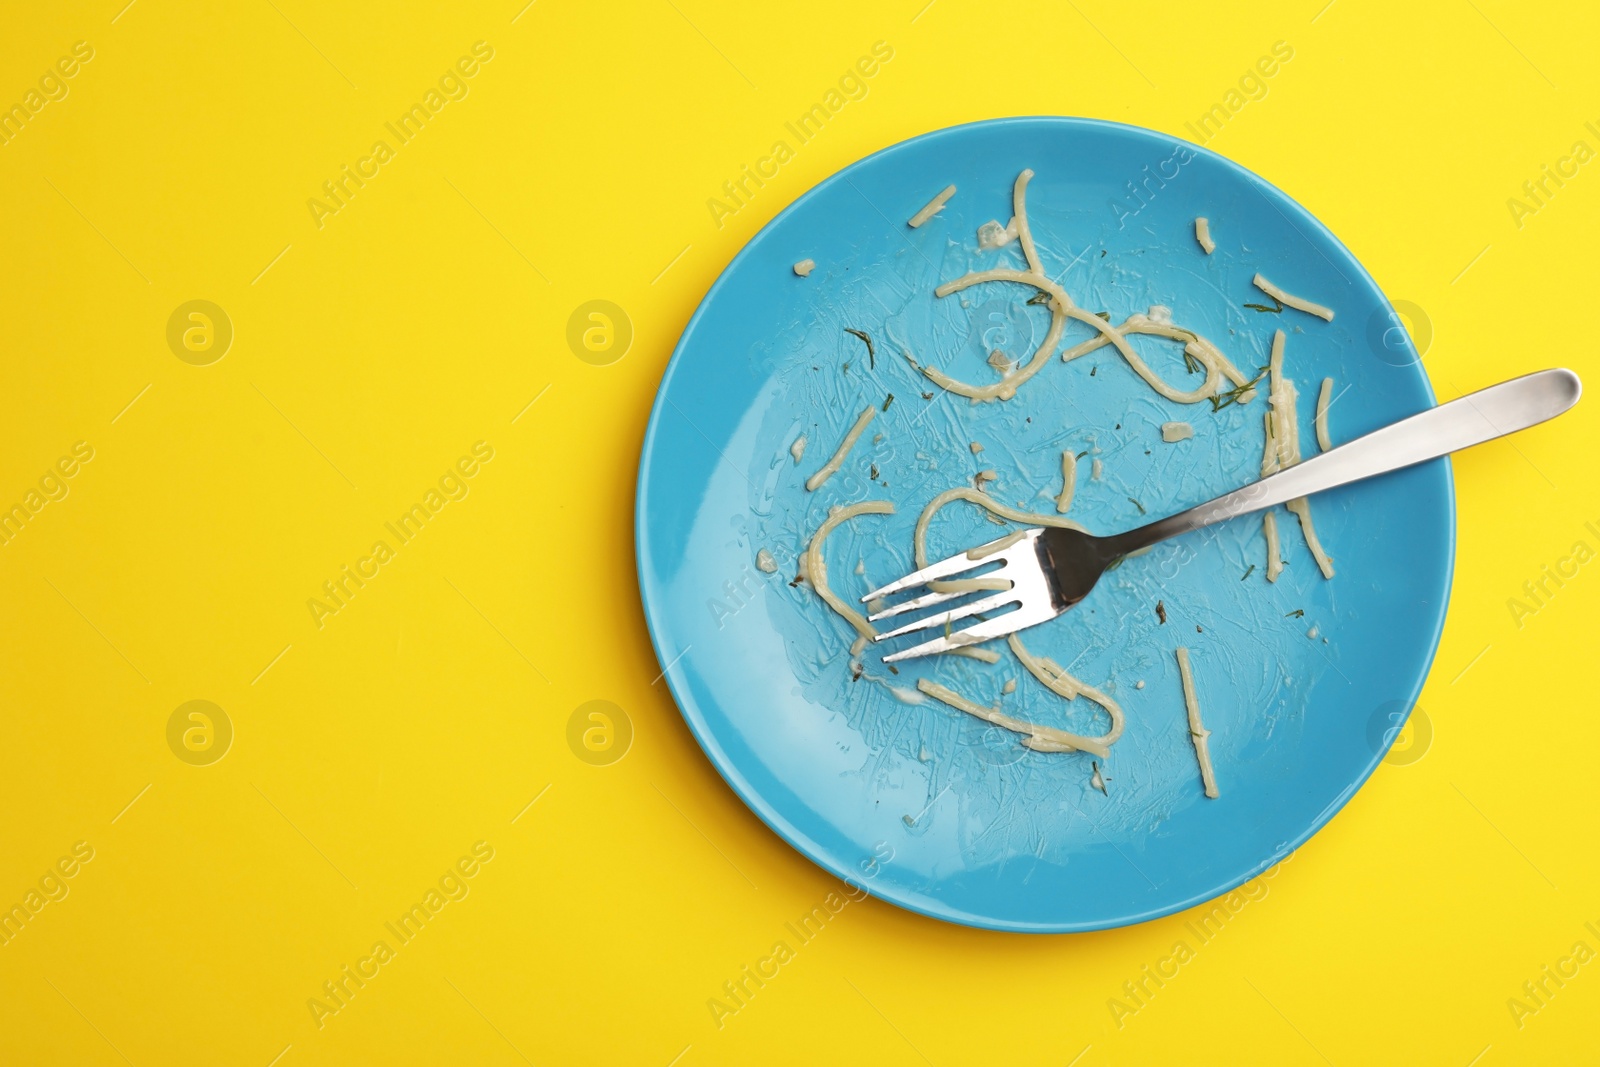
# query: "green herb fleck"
x,y
1039,298
872,360
1232,396
1249,572
1161,612
1136,504
1276,309
1106,315
887,401
1297,613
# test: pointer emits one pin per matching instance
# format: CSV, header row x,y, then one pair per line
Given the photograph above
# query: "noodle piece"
x,y
985,551
1138,322
1321,421
1208,388
1202,233
899,692
1006,274
1209,356
1301,507
1280,412
1006,388
1058,681
1272,455
829,468
1269,527
1043,738
969,585
1302,510
1060,306
1063,304
1207,353
804,268
919,537
985,654
1069,481
1198,733
932,208
1299,304
1283,451
1204,349
1019,205
816,571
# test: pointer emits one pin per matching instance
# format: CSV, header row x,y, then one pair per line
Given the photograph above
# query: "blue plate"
x,y
1302,682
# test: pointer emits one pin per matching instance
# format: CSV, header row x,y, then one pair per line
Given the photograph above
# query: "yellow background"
x,y
369,354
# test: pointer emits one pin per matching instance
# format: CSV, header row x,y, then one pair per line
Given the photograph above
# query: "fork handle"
x,y
1463,422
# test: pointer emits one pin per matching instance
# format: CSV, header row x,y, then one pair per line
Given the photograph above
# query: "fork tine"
x,y
941,618
927,600
943,568
984,631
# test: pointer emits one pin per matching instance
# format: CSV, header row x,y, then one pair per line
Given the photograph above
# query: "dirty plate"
x,y
1302,682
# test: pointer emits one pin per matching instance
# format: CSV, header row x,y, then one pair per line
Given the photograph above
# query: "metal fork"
x,y
1050,570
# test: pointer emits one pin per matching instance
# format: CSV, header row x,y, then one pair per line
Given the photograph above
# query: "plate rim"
x,y
747,792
